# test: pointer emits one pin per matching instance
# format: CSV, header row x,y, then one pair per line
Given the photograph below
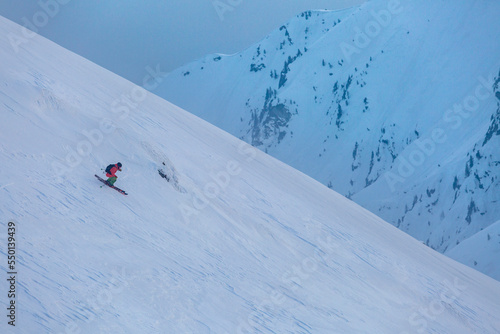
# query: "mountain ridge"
x,y
361,122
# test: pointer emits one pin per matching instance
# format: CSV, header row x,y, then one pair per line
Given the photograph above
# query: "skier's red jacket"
x,y
113,170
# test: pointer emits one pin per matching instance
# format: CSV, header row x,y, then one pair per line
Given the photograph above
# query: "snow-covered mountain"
x,y
234,242
393,104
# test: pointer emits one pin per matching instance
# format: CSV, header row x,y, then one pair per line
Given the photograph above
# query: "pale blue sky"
x,y
125,36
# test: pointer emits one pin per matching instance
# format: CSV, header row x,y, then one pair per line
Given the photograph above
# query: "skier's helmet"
x,y
119,164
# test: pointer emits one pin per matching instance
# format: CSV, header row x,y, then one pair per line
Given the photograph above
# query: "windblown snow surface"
x,y
233,242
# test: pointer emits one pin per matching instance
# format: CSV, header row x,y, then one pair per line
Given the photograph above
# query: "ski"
x,y
116,188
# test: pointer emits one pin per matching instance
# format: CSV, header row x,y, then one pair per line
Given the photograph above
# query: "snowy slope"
x,y
480,251
393,104
235,242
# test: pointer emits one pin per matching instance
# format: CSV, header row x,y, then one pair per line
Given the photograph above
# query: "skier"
x,y
110,173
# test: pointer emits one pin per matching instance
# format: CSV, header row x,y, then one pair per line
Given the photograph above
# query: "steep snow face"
x,y
477,251
391,104
214,236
